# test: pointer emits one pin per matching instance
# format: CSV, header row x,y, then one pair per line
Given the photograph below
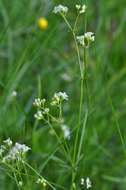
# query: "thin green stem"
x,y
60,142
30,167
28,183
19,172
14,171
75,24
79,120
66,21
82,135
85,79
78,55
16,180
83,73
85,63
76,44
83,83
77,132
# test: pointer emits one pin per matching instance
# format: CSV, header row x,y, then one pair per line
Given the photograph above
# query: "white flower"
x,y
55,100
88,183
14,93
81,8
78,7
82,181
8,142
62,95
59,97
44,183
46,111
81,40
85,39
38,115
90,36
60,9
38,181
39,102
16,152
66,131
19,148
41,181
20,183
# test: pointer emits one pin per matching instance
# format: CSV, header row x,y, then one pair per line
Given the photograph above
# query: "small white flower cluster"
x,y
8,142
42,181
86,182
81,8
60,9
38,115
66,131
88,37
11,153
59,97
39,102
85,39
43,112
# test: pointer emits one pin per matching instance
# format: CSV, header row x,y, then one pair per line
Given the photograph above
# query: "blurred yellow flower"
x,y
43,23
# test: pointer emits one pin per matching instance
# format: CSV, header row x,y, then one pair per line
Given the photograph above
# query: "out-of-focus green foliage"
x,y
34,62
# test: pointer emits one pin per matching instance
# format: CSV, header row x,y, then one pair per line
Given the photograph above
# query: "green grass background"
x,y
33,62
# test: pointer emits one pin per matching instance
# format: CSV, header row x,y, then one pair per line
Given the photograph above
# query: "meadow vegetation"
x,y
62,95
